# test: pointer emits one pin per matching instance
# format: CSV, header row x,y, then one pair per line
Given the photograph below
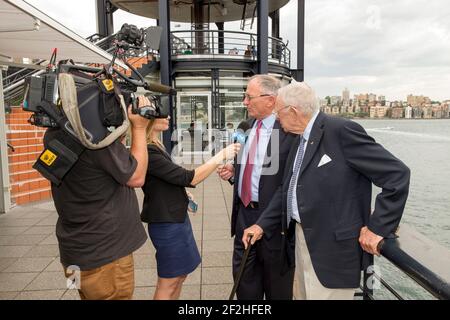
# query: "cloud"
x,y
387,47
79,16
373,21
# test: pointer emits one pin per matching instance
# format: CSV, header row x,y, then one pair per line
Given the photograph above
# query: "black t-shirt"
x,y
98,214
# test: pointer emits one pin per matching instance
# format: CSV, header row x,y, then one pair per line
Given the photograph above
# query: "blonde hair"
x,y
149,133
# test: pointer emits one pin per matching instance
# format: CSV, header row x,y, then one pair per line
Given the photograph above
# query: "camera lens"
x,y
131,34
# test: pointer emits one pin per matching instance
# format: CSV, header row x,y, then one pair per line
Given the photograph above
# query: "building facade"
x,y
209,65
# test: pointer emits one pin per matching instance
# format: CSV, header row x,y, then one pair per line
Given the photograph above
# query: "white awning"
x,y
26,32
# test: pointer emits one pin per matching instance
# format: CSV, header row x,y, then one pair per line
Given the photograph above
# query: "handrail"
x,y
422,260
234,43
5,80
427,279
105,43
19,81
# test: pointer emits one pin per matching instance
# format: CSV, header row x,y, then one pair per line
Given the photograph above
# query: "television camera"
x,y
89,104
42,90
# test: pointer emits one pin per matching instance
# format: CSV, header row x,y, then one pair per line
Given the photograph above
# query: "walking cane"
x,y
241,268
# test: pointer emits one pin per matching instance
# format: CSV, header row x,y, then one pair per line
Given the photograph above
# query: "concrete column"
x,y
5,186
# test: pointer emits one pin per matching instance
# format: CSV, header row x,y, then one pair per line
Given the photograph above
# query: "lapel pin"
x,y
312,142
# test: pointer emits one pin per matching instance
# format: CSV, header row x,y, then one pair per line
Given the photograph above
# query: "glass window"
x,y
233,109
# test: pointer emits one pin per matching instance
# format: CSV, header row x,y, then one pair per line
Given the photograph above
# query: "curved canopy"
x,y
181,10
26,32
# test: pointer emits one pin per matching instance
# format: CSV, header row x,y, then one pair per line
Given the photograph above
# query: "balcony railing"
x,y
420,259
232,44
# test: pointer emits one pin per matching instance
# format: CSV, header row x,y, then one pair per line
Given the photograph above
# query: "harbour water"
x,y
424,146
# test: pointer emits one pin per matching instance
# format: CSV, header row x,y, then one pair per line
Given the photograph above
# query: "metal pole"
x,y
220,26
263,37
301,41
5,196
105,23
275,16
166,64
276,47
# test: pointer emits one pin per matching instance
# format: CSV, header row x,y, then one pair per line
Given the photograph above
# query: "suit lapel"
x,y
313,142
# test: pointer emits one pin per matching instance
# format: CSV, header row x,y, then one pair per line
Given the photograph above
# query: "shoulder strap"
x,y
69,102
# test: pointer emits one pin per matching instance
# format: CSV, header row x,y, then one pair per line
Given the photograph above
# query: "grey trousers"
x,y
306,284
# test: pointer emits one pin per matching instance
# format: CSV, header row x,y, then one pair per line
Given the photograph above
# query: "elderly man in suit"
x,y
257,174
326,197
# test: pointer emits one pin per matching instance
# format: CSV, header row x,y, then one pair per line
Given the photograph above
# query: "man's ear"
x,y
273,101
294,111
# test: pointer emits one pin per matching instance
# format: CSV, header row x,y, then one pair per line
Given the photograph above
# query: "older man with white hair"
x,y
324,201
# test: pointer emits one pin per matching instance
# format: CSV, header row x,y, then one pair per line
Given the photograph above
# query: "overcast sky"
x,y
389,47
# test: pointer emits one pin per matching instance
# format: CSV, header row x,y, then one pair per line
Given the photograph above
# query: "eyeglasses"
x,y
249,97
277,112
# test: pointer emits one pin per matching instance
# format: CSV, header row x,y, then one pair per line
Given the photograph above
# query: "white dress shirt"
x,y
264,136
306,134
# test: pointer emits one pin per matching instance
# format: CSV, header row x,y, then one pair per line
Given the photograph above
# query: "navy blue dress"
x,y
176,250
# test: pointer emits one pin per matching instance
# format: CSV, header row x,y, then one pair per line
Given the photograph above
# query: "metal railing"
x,y
105,43
231,43
13,82
20,74
413,254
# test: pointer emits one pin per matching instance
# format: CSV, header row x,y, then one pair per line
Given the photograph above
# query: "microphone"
x,y
240,136
241,131
157,87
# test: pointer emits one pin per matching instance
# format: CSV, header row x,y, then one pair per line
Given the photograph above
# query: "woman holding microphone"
x,y
165,209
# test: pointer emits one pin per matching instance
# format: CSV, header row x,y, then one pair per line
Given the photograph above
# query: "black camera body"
x,y
44,87
41,88
99,95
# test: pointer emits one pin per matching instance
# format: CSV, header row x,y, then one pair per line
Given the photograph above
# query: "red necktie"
x,y
246,190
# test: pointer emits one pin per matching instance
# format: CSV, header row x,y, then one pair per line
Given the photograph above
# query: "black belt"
x,y
252,204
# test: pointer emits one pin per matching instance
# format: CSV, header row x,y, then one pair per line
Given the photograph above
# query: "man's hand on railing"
x,y
369,241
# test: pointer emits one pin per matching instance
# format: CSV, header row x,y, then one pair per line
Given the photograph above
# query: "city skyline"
x,y
370,105
352,94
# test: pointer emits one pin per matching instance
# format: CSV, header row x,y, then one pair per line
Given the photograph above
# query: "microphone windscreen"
x,y
243,126
239,137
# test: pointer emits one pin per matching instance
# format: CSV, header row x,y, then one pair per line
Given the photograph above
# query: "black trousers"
x,y
262,274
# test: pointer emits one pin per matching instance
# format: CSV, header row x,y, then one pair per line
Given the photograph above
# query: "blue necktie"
x,y
294,179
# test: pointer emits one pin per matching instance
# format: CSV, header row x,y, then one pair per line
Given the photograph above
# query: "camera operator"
x,y
99,227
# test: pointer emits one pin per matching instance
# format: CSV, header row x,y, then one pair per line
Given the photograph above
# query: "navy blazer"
x,y
165,197
334,199
271,178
